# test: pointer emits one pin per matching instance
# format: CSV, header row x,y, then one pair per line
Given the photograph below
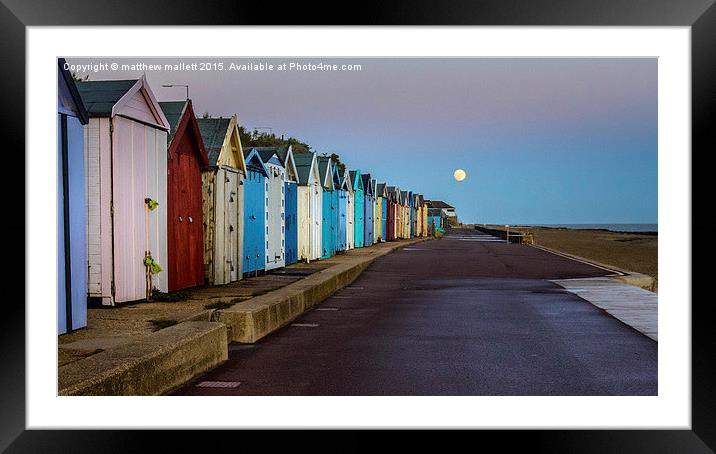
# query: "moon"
x,y
459,175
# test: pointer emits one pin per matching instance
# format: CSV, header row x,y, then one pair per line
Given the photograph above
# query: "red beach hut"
x,y
185,160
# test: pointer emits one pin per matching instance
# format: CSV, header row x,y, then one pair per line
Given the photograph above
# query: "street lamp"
x,y
178,85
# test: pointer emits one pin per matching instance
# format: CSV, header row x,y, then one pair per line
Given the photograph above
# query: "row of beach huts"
x,y
152,198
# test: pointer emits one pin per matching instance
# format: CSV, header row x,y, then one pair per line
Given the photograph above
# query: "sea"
x,y
611,227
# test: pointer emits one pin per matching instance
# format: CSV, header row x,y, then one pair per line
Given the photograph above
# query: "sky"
x,y
543,141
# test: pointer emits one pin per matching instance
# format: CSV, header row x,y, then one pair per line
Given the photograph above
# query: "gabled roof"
x,y
325,169
180,116
100,96
381,190
305,167
356,180
173,110
213,132
254,161
404,197
393,193
337,180
107,98
72,92
267,154
285,155
346,182
367,186
438,204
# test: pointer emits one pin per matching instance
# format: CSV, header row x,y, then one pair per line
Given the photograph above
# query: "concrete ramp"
x,y
631,305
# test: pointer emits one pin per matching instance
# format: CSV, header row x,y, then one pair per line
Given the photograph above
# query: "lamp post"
x,y
178,85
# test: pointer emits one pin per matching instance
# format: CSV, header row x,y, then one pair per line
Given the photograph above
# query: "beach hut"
x,y
368,208
382,198
223,200
424,216
390,220
418,215
310,204
274,207
434,219
376,211
71,208
186,158
255,213
126,157
411,206
285,153
405,214
329,210
350,210
359,208
341,196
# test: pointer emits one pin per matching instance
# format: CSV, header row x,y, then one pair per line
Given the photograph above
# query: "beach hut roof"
x,y
71,95
337,180
381,190
367,185
174,111
100,96
222,134
346,181
305,163
438,204
325,169
356,180
268,154
106,98
254,161
286,157
213,131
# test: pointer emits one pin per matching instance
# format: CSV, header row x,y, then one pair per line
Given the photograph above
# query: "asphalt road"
x,y
463,315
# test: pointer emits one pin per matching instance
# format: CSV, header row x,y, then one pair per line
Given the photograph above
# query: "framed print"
x,y
404,218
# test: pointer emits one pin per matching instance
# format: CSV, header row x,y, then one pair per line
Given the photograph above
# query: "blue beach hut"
x,y
285,153
369,209
329,210
411,211
254,254
71,208
341,195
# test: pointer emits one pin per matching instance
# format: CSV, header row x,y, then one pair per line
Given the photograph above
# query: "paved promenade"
x,y
464,315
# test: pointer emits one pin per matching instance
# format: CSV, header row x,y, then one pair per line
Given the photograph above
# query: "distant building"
x,y
449,210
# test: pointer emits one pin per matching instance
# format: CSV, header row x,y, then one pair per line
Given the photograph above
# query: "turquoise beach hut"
x,y
359,207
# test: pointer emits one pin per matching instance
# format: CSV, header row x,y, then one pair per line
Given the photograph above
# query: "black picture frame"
x,y
16,15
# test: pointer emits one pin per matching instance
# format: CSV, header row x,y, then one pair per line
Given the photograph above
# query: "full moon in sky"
x,y
459,175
